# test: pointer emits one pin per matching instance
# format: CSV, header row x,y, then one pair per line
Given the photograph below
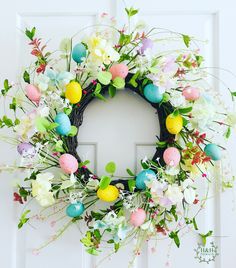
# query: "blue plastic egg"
x,y
152,93
78,53
142,177
75,210
213,151
64,125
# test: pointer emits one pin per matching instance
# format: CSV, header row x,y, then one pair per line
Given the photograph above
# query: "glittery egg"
x,y
144,176
138,217
109,194
213,151
152,93
73,92
191,93
174,124
26,148
171,156
75,210
119,70
78,53
33,93
64,125
146,44
68,163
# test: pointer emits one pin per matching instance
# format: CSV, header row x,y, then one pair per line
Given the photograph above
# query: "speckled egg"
x,y
75,210
213,151
174,124
64,125
144,176
109,194
73,92
138,217
68,163
152,93
33,93
146,44
26,148
119,70
171,156
191,93
78,53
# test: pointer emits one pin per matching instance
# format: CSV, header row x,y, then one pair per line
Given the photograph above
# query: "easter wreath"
x,y
153,203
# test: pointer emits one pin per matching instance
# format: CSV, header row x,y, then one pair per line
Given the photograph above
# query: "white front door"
x,y
122,129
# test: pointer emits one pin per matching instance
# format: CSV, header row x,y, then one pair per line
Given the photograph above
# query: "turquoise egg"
x,y
213,151
64,125
144,175
75,210
152,93
78,53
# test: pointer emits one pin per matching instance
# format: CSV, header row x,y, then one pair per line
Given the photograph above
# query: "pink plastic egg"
x,y
33,93
191,93
119,70
171,156
68,163
138,217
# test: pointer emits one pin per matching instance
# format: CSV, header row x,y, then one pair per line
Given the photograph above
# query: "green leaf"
x,y
26,77
186,39
131,185
166,98
133,79
12,105
104,77
131,11
195,224
30,33
100,97
110,168
204,237
185,121
185,110
67,111
59,146
42,124
130,172
73,131
105,181
233,93
98,88
52,126
175,237
6,88
112,91
116,247
92,251
7,121
228,132
118,83
23,219
199,60
87,240
175,113
161,144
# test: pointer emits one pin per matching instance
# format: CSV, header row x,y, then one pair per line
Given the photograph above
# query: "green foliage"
x,y
59,146
30,33
85,163
7,122
133,79
6,88
73,131
185,110
67,111
12,105
130,172
199,60
233,93
118,83
112,91
205,236
161,144
104,182
186,39
110,168
227,133
104,77
42,124
131,185
174,235
26,77
23,219
131,11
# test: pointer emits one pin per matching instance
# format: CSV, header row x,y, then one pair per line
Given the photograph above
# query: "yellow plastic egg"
x,y
174,124
73,92
109,194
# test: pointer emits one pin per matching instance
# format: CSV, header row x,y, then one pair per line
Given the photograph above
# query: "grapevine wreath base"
x,y
47,108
